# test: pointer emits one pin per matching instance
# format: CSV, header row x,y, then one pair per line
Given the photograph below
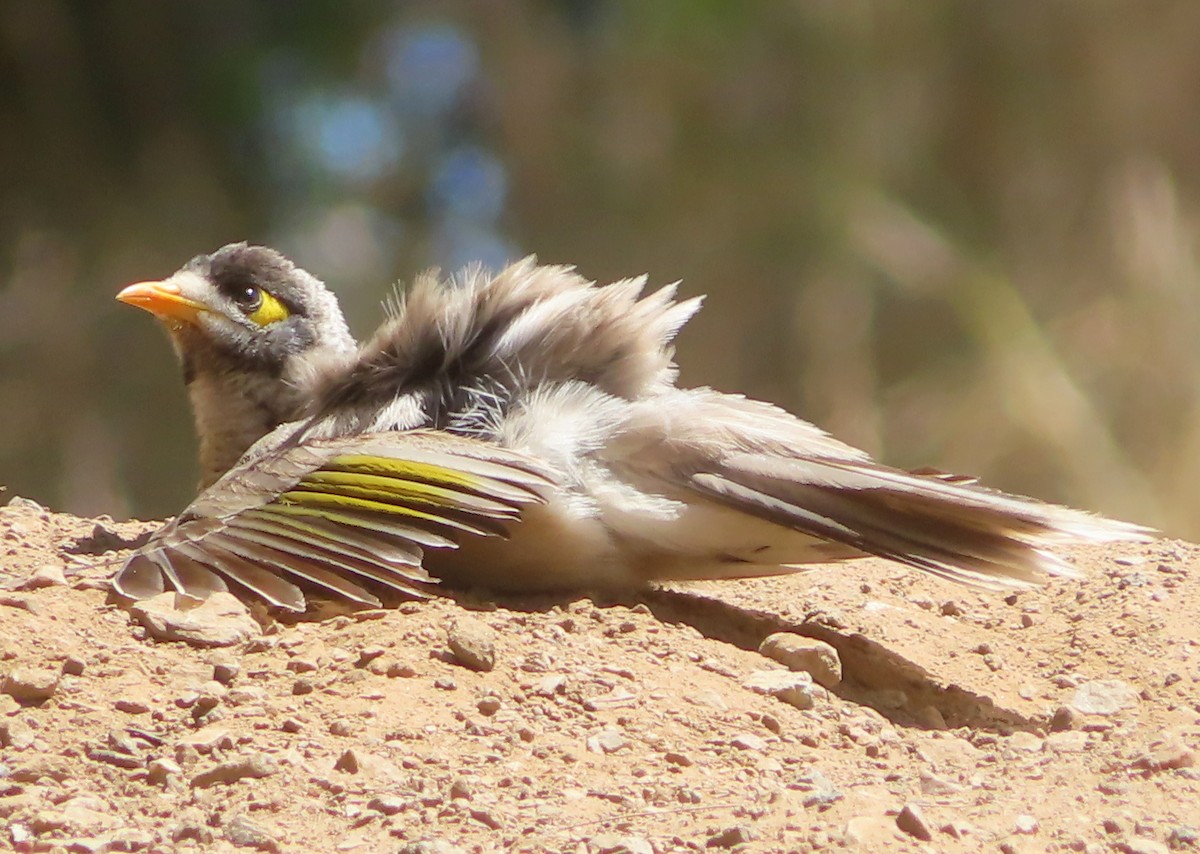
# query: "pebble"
x,y
207,739
17,734
1026,742
462,788
808,655
731,837
159,771
220,620
912,822
749,741
131,706
1104,697
245,833
1065,718
253,766
349,762
823,793
795,689
931,784
1074,741
31,684
1141,845
1170,754
341,727
73,665
488,706
1184,836
431,846
387,804
225,671
47,575
400,670
613,843
473,644
607,741
1026,824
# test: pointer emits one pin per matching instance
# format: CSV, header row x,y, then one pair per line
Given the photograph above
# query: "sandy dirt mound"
x,y
1066,718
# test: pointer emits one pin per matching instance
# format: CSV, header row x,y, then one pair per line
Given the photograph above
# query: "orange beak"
x,y
162,299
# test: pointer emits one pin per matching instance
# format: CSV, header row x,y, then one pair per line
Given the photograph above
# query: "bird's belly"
x,y
553,547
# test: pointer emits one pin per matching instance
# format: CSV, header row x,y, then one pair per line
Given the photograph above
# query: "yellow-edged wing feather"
x,y
350,516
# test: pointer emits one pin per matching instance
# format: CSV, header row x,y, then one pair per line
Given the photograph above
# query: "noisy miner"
x,y
523,432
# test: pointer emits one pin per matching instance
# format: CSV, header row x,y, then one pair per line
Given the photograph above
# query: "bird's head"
x,y
252,330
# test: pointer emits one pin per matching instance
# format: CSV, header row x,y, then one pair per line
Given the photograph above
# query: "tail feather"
x,y
944,526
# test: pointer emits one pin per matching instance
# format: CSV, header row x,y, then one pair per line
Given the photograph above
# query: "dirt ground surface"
x,y
1061,719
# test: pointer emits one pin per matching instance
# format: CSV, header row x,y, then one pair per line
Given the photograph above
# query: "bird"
x,y
522,431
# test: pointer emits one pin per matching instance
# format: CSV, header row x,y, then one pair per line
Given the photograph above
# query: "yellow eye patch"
x,y
270,310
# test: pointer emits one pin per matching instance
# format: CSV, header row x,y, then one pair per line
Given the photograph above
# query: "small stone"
x,y
1074,741
488,706
341,727
1104,697
823,793
31,684
1026,742
1184,836
47,575
749,741
132,706
206,740
1065,718
811,656
1026,824
245,833
607,741
931,784
462,788
368,654
302,686
795,689
220,620
445,683
226,671
387,804
912,822
956,829
349,762
17,734
950,608
1170,754
431,846
159,771
680,759
731,837
247,767
1141,845
292,725
73,665
614,843
400,670
473,644
301,665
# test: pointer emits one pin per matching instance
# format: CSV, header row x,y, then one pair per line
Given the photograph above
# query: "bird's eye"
x,y
262,307
248,298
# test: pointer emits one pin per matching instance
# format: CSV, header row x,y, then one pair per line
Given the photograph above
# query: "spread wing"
x,y
342,514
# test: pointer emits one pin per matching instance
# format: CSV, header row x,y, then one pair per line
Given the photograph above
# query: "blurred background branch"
x,y
955,234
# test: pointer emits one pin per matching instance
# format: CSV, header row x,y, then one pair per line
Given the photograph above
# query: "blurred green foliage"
x,y
955,234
